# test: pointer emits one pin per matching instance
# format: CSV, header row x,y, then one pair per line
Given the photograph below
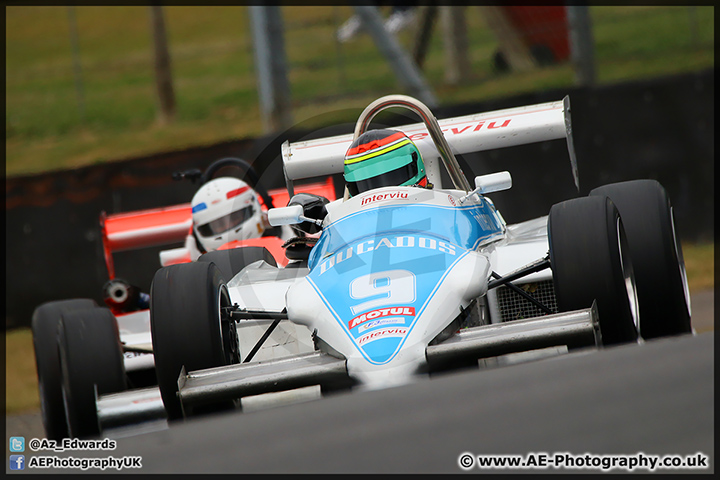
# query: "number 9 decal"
x,y
391,287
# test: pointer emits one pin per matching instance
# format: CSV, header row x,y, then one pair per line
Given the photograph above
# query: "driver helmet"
x,y
225,209
383,158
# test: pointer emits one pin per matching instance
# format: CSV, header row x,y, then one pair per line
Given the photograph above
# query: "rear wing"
x,y
144,228
466,134
168,225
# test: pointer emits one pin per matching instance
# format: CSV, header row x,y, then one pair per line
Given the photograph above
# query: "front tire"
x,y
45,321
662,289
188,328
590,261
91,360
232,260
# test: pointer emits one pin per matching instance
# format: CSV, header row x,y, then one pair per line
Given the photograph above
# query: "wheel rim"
x,y
227,338
223,301
681,263
628,275
66,407
43,404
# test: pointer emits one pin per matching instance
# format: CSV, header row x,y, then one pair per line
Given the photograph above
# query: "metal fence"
x,y
476,47
92,67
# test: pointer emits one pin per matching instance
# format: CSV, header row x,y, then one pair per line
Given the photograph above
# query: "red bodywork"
x,y
542,26
167,225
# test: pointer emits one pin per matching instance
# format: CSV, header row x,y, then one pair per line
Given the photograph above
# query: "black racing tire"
x,y
187,326
45,321
232,260
591,262
662,289
91,360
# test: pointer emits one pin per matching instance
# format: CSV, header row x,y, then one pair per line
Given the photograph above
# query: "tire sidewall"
x,y
91,363
44,324
186,325
233,260
584,236
656,255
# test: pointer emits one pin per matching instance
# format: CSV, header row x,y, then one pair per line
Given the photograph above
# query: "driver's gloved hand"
x,y
313,207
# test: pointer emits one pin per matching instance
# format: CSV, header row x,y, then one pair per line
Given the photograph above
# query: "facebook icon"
x,y
17,462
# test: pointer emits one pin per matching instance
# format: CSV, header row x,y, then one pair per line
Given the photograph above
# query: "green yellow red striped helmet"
x,y
383,158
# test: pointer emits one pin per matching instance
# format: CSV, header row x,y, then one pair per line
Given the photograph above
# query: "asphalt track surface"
x,y
654,398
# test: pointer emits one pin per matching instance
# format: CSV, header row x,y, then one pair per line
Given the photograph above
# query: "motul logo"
x,y
379,313
383,196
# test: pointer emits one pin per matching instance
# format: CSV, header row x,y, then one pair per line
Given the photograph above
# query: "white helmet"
x,y
226,209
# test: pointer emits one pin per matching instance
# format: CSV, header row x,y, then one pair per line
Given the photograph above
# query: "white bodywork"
x,y
257,288
344,302
134,331
466,134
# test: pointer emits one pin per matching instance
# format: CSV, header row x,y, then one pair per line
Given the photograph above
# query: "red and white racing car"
x,y
72,337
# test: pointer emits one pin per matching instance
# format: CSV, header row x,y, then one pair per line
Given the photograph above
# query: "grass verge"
x,y
68,107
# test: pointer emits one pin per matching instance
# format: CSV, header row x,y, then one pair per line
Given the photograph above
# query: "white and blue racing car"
x,y
396,282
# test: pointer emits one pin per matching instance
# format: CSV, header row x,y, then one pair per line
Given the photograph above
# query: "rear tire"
x,y
662,289
45,321
188,329
91,360
590,261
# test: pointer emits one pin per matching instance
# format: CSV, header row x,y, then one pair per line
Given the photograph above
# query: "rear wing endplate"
x,y
466,134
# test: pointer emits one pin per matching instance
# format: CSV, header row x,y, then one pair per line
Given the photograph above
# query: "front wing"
x,y
575,329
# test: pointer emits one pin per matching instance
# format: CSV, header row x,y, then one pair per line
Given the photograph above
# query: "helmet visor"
x,y
225,223
396,177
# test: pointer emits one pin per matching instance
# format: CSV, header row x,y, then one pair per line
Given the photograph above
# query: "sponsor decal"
x,y
493,125
378,197
385,242
198,207
381,312
379,323
473,127
451,199
486,221
383,333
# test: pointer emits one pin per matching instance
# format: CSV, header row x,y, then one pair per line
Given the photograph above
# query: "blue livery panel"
x,y
377,270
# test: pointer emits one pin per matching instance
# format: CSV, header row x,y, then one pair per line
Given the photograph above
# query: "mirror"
x,y
493,182
285,215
